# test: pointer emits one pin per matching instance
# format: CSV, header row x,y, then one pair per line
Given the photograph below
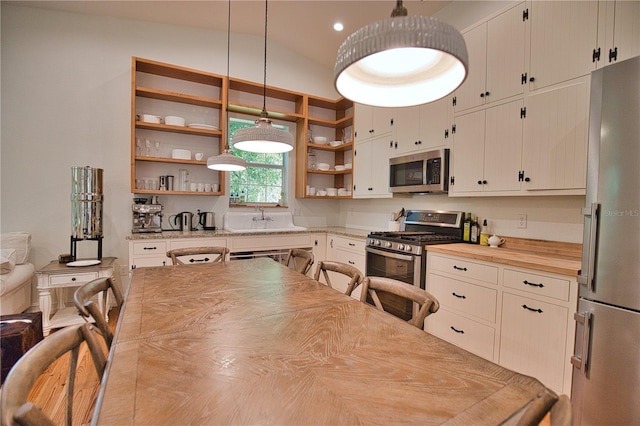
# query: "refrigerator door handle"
x,y
580,361
586,278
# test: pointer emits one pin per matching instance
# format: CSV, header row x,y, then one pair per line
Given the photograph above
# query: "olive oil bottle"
x,y
466,229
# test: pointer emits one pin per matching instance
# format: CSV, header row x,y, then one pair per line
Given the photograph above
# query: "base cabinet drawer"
x,y
464,269
464,297
542,285
150,247
463,332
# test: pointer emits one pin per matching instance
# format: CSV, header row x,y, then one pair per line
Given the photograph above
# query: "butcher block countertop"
x,y
548,256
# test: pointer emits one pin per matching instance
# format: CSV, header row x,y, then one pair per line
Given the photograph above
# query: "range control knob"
x,y
376,242
401,247
407,248
388,244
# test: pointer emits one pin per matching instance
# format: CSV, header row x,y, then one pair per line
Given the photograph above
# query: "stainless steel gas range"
x,y
401,255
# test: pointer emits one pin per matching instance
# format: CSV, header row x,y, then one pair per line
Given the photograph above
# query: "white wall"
x,y
66,96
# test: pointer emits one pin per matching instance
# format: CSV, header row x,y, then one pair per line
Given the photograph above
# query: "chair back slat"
x,y
218,254
301,260
87,308
427,303
326,266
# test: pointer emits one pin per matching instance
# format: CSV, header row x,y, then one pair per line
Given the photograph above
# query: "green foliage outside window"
x,y
264,179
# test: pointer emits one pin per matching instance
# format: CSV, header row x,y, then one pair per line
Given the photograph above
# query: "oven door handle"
x,y
390,254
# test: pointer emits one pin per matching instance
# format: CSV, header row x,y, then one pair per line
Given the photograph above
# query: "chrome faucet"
x,y
261,218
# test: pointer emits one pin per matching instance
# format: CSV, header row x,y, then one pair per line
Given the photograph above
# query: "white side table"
x,y
58,276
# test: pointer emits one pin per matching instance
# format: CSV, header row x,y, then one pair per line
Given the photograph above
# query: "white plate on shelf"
x,y
202,126
89,262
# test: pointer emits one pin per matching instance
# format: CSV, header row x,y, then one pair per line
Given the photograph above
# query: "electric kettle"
x,y
207,220
184,221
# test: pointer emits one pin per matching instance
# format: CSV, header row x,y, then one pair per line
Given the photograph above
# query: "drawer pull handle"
x,y
352,244
533,284
532,310
459,268
206,259
73,279
150,248
459,296
456,330
352,262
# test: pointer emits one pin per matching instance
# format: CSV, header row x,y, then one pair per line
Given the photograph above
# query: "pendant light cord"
x,y
226,142
264,87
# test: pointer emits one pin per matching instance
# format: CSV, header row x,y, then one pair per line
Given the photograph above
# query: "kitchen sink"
x,y
260,221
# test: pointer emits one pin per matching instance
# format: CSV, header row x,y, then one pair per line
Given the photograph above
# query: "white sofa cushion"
x,y
18,241
20,275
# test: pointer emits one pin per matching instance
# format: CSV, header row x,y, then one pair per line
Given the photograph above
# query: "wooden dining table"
x,y
251,342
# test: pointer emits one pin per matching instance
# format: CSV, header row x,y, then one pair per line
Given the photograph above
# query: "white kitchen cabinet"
x,y
533,339
497,60
346,250
153,252
618,31
371,122
149,252
422,127
487,150
517,317
468,296
563,39
371,168
556,137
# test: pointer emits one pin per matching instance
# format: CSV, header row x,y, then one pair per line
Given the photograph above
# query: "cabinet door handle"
x,y
73,279
533,284
459,268
352,262
456,330
532,309
459,296
352,244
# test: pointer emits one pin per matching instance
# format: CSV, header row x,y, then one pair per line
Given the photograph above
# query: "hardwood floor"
x,y
49,391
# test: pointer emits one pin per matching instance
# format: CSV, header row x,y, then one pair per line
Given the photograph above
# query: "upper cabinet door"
x,y
618,31
371,122
555,137
505,54
563,36
471,93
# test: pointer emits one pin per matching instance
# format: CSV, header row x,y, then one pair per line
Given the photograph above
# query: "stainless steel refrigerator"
x,y
606,360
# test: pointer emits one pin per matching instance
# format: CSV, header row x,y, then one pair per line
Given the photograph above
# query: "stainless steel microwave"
x,y
423,173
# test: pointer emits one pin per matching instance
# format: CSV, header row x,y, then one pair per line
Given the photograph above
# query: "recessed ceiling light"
x,y
338,26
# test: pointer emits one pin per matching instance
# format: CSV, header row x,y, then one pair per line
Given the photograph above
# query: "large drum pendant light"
x,y
263,137
226,161
401,61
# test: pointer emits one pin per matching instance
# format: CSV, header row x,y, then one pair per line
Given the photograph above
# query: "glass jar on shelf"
x,y
312,162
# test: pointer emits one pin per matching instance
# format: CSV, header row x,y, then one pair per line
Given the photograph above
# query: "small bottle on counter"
x,y
484,234
466,229
475,231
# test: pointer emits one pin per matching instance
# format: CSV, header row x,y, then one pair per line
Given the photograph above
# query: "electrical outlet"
x,y
522,221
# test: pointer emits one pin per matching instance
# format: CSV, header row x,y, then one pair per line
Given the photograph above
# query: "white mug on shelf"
x,y
207,187
199,156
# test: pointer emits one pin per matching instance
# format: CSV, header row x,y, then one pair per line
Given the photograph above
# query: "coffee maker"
x,y
146,217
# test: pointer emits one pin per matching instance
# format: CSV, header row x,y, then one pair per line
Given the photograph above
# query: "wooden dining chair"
x,y
84,297
539,407
427,303
326,266
300,259
178,256
16,409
